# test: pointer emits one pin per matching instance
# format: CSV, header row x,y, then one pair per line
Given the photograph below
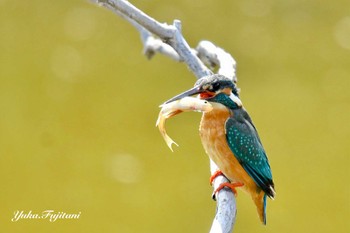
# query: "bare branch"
x,y
179,43
171,34
213,56
161,29
153,45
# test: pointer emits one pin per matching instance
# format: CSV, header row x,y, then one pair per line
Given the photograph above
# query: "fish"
x,y
171,109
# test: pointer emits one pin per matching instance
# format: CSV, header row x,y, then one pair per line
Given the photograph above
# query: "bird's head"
x,y
214,88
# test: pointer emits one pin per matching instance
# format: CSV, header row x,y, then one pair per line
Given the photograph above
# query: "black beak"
x,y
193,91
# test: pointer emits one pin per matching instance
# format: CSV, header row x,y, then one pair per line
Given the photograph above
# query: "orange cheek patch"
x,y
206,95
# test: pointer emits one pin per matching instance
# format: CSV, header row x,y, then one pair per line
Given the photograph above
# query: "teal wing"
x,y
245,144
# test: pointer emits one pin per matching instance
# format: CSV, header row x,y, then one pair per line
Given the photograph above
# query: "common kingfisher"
x,y
231,140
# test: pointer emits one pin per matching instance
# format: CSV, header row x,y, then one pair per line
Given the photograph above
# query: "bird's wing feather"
x,y
245,144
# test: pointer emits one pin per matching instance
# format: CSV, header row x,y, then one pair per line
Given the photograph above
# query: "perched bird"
x,y
231,140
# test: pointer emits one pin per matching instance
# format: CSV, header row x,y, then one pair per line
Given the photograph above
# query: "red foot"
x,y
232,186
216,174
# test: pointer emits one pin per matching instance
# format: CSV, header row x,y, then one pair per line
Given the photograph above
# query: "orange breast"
x,y
212,133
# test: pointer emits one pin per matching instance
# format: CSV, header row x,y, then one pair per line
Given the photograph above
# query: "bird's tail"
x,y
260,202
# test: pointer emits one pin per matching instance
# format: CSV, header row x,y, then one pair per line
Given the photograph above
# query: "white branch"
x,y
128,10
213,56
171,35
168,40
152,45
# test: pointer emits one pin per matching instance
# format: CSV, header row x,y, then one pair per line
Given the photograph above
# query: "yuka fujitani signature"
x,y
51,215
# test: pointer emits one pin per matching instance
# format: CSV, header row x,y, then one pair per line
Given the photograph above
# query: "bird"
x,y
231,140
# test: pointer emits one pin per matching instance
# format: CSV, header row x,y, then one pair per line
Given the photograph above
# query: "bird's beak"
x,y
193,91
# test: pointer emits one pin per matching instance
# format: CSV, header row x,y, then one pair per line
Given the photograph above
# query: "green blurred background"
x,y
79,103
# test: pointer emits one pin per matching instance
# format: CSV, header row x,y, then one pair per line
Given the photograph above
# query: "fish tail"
x,y
170,142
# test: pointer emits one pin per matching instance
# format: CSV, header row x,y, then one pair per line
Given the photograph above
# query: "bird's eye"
x,y
215,86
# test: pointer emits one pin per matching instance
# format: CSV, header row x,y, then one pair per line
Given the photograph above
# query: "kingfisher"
x,y
231,140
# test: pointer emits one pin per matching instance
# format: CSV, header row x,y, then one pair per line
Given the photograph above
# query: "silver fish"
x,y
171,109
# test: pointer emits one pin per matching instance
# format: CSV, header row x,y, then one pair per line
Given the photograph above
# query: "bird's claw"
x,y
231,186
216,174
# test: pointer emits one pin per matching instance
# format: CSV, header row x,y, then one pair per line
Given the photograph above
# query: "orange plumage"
x,y
212,133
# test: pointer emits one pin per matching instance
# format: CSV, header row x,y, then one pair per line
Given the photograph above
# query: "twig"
x,y
168,40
